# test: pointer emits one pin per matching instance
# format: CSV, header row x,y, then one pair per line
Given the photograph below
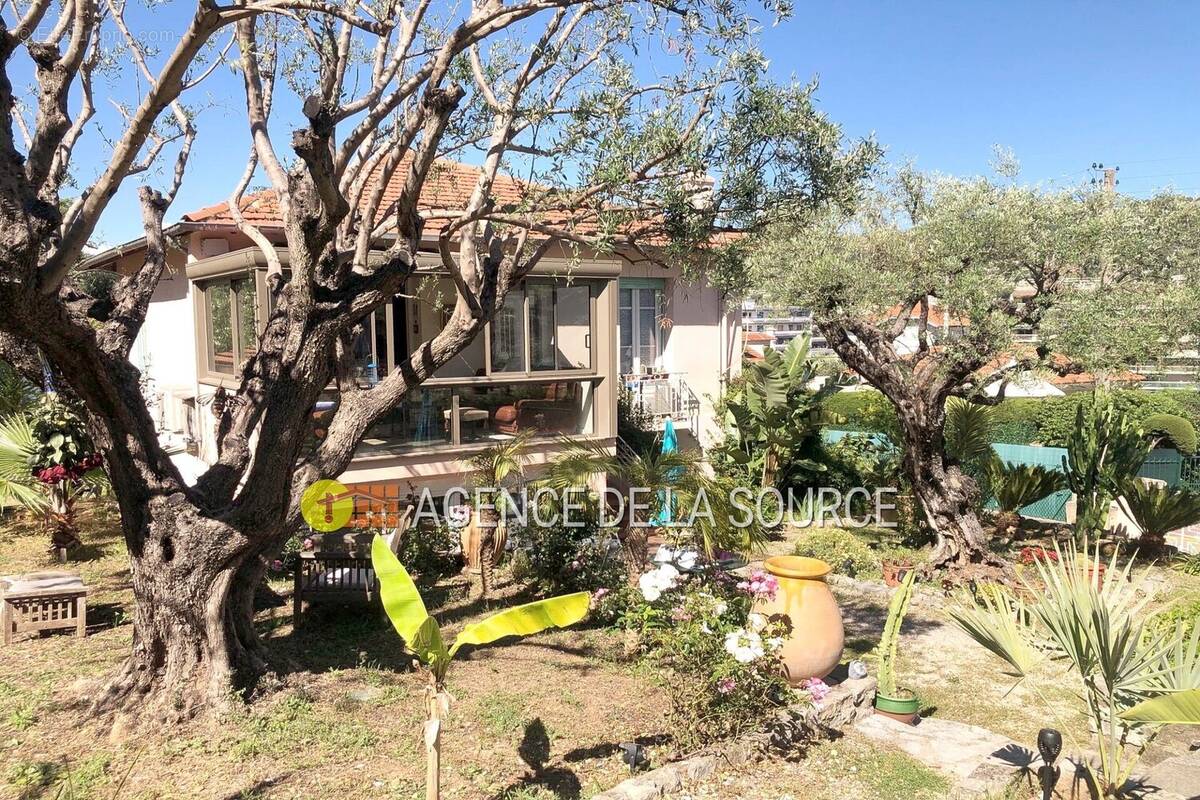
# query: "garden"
x,y
657,642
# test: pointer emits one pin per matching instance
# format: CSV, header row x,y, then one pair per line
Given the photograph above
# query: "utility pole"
x,y
1105,177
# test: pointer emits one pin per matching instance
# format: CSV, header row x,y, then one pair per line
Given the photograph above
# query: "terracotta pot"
x,y
894,572
814,646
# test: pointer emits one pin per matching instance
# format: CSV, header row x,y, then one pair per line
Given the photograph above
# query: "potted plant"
x,y
891,700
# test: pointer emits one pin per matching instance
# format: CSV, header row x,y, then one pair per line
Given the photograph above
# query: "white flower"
x,y
654,583
663,554
756,622
745,646
719,608
774,643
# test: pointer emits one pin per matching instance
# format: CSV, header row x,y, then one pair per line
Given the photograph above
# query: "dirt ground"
x,y
534,720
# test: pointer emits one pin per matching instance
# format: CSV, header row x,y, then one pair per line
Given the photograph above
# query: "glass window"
x,y
647,328
625,323
497,412
541,326
220,327
508,334
573,326
243,290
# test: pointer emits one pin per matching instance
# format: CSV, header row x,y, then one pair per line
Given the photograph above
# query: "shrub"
x,y
861,411
719,662
561,558
1175,430
841,549
634,425
1056,415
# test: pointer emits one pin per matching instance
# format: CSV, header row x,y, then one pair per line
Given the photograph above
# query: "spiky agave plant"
x,y
423,639
1087,630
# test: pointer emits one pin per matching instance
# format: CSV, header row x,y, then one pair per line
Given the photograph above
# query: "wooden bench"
x,y
42,601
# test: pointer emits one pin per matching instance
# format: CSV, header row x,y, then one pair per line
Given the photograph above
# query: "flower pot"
x,y
894,571
814,645
902,709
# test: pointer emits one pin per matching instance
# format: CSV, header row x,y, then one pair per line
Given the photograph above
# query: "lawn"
x,y
539,718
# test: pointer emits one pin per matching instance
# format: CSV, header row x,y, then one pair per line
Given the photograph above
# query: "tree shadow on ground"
x,y
106,616
535,752
607,749
865,617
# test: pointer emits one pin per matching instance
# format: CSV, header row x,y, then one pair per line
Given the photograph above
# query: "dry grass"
x,y
539,718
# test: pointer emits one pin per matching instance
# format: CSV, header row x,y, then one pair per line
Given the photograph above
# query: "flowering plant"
x,y
1031,555
718,659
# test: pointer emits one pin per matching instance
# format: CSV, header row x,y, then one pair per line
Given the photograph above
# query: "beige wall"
x,y
703,343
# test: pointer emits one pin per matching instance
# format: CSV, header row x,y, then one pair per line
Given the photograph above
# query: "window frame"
x,y
206,369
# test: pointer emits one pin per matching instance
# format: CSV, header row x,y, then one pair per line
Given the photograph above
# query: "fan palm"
x,y
18,445
1088,626
1158,510
491,469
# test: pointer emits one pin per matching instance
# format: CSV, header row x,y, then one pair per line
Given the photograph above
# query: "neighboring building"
x,y
782,325
552,361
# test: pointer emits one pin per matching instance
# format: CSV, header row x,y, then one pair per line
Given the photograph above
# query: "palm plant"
x,y
1105,452
661,483
423,638
770,415
1015,486
487,534
968,431
18,447
1158,510
1088,626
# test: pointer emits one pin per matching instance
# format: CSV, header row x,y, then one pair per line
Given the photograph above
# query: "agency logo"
x,y
327,505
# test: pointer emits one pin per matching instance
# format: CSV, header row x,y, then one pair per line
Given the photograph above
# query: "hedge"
x,y
1177,431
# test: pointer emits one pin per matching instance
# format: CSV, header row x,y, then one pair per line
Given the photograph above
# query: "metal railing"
x,y
664,396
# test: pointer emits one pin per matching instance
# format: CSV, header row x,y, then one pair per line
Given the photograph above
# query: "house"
x,y
553,361
780,325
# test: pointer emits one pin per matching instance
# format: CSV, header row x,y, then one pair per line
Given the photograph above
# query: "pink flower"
x,y
277,565
760,585
817,689
726,685
599,594
680,614
308,544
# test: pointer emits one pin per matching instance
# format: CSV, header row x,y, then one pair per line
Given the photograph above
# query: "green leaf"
x,y
406,610
554,612
1177,708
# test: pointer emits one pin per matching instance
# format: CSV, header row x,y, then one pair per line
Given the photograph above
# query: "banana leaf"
x,y
406,609
554,612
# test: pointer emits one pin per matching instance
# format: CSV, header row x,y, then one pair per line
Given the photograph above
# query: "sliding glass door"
x,y
640,330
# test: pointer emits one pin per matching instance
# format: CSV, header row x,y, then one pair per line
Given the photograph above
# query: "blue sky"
x,y
1063,84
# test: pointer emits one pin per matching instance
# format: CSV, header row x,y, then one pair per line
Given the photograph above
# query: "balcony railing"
x,y
663,396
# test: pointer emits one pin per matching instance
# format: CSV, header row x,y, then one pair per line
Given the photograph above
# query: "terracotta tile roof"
x,y
757,337
938,316
448,187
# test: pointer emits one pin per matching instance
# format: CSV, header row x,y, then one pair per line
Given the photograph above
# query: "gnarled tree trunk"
x,y
194,644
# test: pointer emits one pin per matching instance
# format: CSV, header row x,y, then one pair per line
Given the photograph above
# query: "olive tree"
x,y
607,114
921,291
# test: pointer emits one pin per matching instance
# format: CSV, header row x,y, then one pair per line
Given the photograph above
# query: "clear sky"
x,y
1063,84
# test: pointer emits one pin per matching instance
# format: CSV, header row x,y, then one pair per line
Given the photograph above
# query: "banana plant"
x,y
770,415
1105,451
423,638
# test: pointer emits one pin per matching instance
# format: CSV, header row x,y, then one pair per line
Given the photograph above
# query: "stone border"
x,y
847,703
